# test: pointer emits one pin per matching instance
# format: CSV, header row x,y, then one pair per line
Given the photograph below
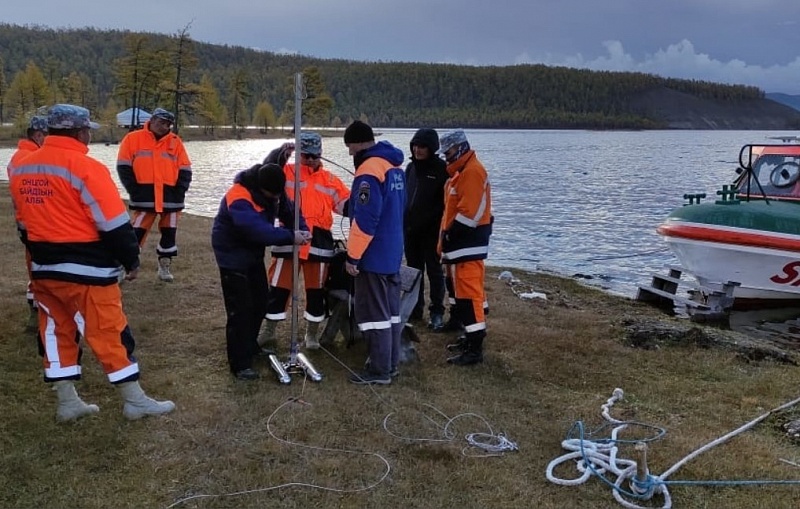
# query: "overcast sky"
x,y
752,42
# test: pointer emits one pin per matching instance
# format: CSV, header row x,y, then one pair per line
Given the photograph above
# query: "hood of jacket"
x,y
382,149
427,138
249,179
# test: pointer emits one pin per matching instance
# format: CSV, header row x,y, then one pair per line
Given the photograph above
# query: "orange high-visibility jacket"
x,y
321,194
72,218
156,173
467,220
24,147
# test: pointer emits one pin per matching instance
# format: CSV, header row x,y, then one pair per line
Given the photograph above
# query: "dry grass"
x,y
547,365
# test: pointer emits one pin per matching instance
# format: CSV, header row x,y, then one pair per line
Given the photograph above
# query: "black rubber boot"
x,y
459,346
473,352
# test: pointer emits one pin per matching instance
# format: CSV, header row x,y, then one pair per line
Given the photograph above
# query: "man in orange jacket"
x,y
464,242
34,137
321,194
78,233
154,168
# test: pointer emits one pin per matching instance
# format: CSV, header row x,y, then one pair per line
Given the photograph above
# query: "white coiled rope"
x,y
600,458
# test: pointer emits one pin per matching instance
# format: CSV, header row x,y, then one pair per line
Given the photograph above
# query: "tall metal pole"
x,y
298,120
298,362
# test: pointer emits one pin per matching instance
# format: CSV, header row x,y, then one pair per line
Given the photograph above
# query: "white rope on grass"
x,y
490,443
598,457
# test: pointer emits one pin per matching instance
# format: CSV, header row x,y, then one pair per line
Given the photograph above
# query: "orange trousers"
x,y
280,281
466,279
96,312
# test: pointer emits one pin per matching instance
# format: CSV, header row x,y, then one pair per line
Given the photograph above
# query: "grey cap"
x,y
311,143
38,123
164,115
69,116
451,139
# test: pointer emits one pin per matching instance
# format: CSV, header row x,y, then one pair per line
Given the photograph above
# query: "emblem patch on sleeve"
x,y
363,193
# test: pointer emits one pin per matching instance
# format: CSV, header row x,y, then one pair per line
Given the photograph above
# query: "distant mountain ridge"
x,y
793,101
403,94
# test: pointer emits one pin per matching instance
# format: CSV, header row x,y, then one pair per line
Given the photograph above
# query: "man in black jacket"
x,y
426,175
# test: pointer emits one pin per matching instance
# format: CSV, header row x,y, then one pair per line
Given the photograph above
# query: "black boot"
x,y
459,346
473,352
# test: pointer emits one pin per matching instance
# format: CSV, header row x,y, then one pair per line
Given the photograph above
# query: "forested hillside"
x,y
213,85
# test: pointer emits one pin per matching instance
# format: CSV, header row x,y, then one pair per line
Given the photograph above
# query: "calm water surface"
x,y
569,202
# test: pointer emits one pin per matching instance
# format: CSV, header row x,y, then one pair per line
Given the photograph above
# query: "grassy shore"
x,y
548,364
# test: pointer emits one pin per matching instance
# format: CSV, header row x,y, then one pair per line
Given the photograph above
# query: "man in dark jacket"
x,y
426,175
253,214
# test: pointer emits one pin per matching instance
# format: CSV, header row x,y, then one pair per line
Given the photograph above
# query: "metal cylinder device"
x,y
309,368
277,366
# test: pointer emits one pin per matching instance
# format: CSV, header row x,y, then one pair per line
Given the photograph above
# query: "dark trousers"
x,y
245,294
421,254
377,313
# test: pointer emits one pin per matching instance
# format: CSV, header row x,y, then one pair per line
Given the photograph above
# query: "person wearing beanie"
x,y
34,137
321,194
358,132
254,213
426,175
80,238
375,249
155,170
464,243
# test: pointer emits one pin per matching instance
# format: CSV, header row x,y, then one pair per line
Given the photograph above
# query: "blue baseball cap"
x,y
38,123
69,116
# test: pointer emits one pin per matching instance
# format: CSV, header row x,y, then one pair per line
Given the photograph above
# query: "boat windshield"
x,y
777,170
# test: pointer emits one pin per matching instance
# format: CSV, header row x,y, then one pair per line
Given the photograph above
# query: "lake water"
x,y
568,202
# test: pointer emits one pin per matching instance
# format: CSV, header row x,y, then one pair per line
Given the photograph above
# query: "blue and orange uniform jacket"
x,y
377,203
248,221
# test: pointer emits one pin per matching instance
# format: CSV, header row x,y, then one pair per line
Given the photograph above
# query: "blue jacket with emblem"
x,y
377,203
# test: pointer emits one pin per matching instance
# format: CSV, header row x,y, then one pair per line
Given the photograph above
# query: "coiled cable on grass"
x,y
598,457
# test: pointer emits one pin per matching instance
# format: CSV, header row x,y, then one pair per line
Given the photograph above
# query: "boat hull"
x,y
751,234
766,276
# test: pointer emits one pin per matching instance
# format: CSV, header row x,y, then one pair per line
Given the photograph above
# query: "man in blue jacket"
x,y
253,214
375,248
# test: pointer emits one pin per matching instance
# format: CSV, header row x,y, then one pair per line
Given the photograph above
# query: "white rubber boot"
x,y
267,333
312,342
164,274
138,404
70,406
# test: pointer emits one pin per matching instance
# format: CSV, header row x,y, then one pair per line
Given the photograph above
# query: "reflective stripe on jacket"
x,y
75,223
156,173
467,220
321,194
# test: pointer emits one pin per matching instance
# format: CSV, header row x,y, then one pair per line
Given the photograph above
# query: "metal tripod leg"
x,y
277,366
309,368
300,366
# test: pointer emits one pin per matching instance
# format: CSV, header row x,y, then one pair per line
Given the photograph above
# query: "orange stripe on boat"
x,y
685,231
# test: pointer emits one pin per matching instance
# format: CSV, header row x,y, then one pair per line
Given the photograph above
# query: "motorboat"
x,y
748,238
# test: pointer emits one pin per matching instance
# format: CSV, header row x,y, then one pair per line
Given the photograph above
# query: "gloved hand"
x,y
281,154
302,237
